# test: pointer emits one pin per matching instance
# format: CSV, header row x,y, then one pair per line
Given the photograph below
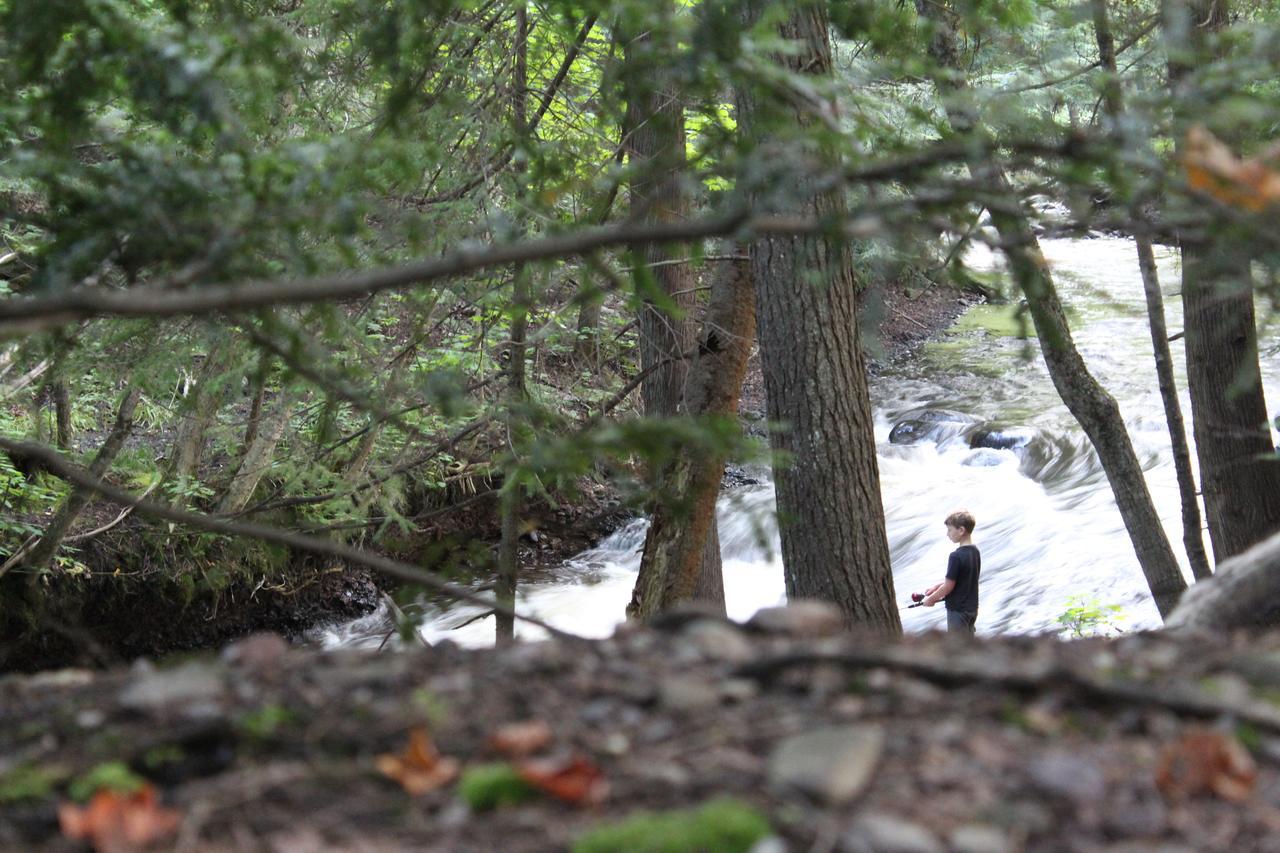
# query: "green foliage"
x,y
491,786
720,825
113,775
1086,617
264,722
29,782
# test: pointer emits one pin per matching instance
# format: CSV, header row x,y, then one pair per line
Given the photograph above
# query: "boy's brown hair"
x,y
963,519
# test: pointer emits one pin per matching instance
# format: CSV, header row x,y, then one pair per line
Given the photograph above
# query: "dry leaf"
x,y
1213,169
115,822
420,768
1206,761
517,740
575,779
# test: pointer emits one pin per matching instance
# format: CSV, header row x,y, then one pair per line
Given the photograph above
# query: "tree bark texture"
x,y
679,529
1094,409
43,552
1113,105
656,147
830,513
1239,469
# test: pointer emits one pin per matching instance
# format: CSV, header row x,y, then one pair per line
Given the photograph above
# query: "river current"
x,y
1048,527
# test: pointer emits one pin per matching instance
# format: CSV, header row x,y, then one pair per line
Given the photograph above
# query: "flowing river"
x,y
1048,527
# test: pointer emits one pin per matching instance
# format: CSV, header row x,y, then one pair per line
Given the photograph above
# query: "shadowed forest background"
x,y
308,307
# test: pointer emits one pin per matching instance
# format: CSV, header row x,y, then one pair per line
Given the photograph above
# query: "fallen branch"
x,y
959,670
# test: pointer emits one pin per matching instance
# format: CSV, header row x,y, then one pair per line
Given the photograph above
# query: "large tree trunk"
x,y
679,529
830,514
1239,470
42,553
1094,409
655,144
1113,103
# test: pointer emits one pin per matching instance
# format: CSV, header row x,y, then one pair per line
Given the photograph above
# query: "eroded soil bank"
x,y
844,743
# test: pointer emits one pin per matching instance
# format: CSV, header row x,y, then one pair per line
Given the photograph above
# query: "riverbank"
x,y
140,589
818,739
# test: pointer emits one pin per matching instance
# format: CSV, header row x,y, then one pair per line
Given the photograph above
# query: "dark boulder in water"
x,y
936,425
1002,438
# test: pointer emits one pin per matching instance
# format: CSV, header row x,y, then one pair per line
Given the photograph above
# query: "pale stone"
x,y
833,765
875,833
803,618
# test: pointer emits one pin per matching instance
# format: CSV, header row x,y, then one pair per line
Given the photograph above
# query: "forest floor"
x,y
794,731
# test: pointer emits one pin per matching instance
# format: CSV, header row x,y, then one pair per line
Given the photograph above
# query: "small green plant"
x,y
266,721
720,825
1087,617
113,775
492,785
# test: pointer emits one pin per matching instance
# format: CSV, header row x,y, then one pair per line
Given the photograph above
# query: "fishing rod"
x,y
917,599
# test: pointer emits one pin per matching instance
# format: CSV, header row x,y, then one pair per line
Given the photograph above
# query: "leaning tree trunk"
x,y
1094,409
830,514
1113,103
655,143
1239,470
257,457
204,400
674,546
42,553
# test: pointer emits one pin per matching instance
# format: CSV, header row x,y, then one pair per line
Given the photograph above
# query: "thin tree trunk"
x,y
259,397
257,457
511,503
62,413
830,514
43,552
1113,102
1239,471
680,529
656,145
1094,409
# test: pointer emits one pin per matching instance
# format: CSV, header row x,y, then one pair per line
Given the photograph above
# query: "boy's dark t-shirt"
x,y
963,567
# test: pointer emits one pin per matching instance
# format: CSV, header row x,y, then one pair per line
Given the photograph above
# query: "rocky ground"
x,y
821,741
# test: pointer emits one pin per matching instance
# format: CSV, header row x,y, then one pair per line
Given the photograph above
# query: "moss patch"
x,y
1004,321
722,825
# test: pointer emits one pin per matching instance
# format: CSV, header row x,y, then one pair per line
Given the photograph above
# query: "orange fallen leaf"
x,y
520,739
420,768
116,822
1204,761
574,779
1212,168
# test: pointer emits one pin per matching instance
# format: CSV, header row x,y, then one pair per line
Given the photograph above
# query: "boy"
x,y
960,588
